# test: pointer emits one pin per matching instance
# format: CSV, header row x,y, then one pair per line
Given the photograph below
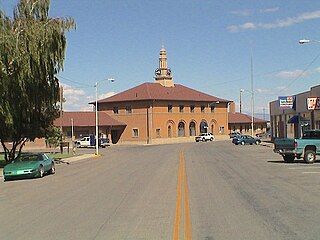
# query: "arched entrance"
x,y
170,128
213,124
181,129
192,128
203,126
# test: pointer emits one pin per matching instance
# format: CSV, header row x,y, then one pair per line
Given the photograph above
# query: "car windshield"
x,y
29,157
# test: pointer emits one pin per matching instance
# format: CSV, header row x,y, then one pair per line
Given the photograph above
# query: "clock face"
x,y
157,71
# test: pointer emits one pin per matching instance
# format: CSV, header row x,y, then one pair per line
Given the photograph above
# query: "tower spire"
x,y
163,73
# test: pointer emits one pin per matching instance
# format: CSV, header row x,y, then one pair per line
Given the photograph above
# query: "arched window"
x,y
203,127
169,131
181,132
192,129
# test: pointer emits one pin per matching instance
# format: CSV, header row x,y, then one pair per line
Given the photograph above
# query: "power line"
x,y
75,82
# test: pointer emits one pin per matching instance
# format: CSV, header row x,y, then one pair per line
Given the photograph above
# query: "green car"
x,y
29,165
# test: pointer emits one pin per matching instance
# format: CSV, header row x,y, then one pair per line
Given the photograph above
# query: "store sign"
x,y
313,103
287,102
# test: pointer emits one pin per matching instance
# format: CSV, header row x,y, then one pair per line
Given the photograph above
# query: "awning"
x,y
297,119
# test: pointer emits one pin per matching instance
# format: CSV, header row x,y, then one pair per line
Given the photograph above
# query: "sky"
x,y
216,47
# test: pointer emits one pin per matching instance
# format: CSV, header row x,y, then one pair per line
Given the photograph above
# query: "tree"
x,y
54,136
32,47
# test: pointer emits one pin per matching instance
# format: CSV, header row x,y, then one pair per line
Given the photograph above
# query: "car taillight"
x,y
295,144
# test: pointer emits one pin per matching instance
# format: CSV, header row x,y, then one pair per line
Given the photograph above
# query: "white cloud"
x,y
317,69
75,99
250,12
260,90
269,10
281,88
243,13
106,95
245,26
277,24
292,74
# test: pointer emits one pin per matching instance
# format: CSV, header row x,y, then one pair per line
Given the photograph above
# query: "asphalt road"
x,y
212,190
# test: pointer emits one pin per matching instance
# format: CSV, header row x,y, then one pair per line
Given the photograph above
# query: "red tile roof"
x,y
243,118
155,91
86,119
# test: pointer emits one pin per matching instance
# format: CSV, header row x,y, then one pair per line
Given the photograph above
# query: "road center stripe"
x,y
182,197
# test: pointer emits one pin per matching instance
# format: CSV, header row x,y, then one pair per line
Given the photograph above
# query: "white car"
x,y
205,137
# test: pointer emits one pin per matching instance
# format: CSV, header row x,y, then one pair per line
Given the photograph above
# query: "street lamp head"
x,y
241,90
302,41
111,79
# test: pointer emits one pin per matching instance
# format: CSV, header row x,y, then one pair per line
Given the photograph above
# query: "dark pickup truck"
x,y
308,146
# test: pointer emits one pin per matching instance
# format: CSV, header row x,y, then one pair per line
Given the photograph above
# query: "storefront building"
x,y
291,115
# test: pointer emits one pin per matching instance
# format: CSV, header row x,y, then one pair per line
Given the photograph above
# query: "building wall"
x,y
245,128
152,119
280,128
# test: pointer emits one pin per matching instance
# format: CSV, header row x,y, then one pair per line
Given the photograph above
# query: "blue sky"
x,y
209,45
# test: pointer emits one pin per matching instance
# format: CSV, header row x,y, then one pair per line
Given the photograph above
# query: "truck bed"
x,y
284,143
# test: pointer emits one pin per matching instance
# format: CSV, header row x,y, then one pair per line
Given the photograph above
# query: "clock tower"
x,y
163,73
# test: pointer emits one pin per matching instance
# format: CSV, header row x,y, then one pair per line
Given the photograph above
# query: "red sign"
x,y
313,103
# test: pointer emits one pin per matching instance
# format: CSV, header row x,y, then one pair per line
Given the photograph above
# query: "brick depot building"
x,y
159,112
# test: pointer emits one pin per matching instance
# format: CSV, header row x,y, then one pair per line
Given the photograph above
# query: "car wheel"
x,y
203,139
257,142
52,169
288,158
309,156
211,139
41,171
242,143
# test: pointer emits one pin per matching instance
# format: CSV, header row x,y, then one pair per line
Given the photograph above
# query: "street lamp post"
x,y
97,120
303,41
252,107
241,91
72,129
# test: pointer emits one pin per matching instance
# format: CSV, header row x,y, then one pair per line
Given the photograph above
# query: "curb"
x,y
77,158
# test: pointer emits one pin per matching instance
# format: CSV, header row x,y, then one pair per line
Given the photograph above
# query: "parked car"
x,y
245,139
204,137
29,165
90,141
234,134
263,135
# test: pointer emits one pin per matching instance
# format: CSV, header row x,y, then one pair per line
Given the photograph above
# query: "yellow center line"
x,y
182,183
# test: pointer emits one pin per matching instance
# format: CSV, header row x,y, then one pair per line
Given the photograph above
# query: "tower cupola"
x,y
163,73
